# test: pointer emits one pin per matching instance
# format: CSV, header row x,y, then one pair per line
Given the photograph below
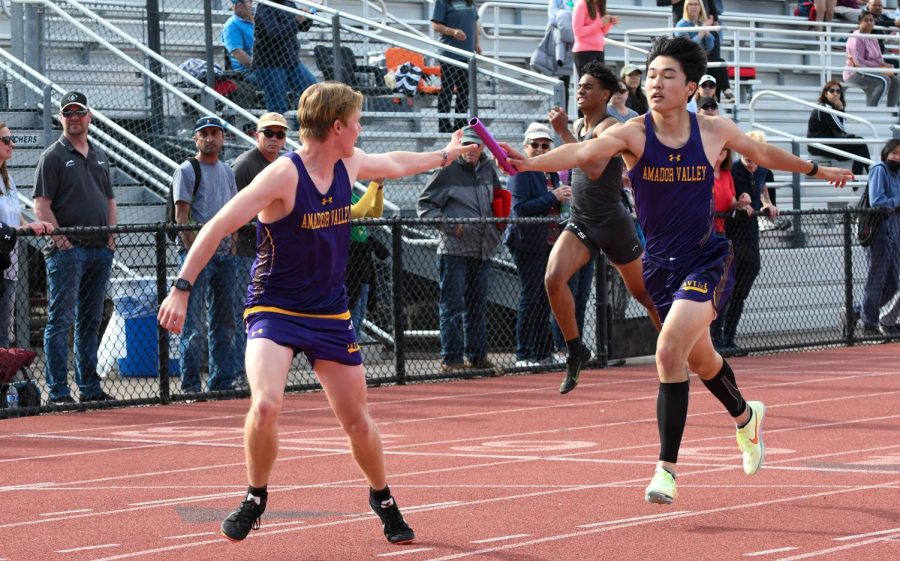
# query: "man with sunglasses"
x,y
196,202
72,188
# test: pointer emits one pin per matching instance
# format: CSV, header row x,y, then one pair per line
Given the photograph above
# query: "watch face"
x,y
182,284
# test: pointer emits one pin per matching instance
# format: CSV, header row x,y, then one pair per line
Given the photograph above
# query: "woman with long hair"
x,y
590,24
865,52
694,15
827,125
11,215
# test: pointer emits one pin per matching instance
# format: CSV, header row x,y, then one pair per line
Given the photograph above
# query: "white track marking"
x,y
185,536
868,535
846,547
501,538
634,519
75,511
769,551
404,552
88,548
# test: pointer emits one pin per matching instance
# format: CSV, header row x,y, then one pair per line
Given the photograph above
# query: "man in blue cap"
x,y
201,186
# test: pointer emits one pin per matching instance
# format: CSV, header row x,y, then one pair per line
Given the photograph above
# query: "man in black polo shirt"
x,y
72,187
271,135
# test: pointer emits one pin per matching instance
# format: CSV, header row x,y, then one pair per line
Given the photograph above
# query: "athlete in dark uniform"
x,y
296,300
687,269
599,220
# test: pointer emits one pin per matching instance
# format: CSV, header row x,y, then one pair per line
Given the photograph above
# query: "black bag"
x,y
305,25
170,199
662,3
867,223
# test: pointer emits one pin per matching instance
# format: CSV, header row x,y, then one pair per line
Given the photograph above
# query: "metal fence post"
x,y
157,110
208,100
848,280
48,115
399,305
336,48
602,311
473,88
162,289
797,239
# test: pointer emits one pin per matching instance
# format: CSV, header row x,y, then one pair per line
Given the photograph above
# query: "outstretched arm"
x,y
401,164
609,143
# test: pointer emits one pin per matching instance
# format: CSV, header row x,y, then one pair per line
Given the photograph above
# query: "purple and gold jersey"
x,y
673,193
301,260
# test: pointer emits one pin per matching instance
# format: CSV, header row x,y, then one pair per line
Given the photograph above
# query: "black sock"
x,y
671,416
380,496
574,346
724,387
750,418
261,492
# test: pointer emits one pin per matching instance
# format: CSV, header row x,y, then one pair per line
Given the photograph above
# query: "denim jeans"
x,y
358,309
532,325
76,287
7,300
214,289
463,301
580,284
276,82
242,270
884,269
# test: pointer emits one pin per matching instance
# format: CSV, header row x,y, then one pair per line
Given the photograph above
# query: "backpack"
x,y
170,199
867,223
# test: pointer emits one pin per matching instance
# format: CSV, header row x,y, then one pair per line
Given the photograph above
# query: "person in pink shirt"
x,y
590,24
864,52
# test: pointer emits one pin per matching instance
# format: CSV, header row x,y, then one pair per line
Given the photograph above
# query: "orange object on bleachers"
x,y
395,56
747,72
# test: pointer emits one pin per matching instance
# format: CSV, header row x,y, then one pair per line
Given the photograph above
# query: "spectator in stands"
x,y
884,253
824,9
849,10
712,8
196,202
590,23
534,194
708,106
826,125
276,65
463,189
724,195
864,52
72,187
617,107
743,231
876,7
457,23
237,36
11,215
559,15
637,100
363,251
706,88
271,135
695,16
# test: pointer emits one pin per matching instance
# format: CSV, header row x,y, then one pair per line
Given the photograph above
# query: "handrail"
x,y
815,143
770,93
381,7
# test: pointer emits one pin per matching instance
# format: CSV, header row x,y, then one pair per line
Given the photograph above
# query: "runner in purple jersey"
x,y
297,301
686,270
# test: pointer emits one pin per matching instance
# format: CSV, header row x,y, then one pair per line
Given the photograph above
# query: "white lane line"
x,y
185,536
501,538
868,535
292,523
404,552
636,518
769,551
76,511
846,547
88,548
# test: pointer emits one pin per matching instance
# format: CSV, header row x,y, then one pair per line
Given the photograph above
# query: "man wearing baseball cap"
x,y
200,187
72,188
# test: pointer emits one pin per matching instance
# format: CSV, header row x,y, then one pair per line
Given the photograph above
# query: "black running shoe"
x,y
241,521
396,530
574,364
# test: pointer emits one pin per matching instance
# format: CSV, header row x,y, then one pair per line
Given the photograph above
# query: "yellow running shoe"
x,y
750,439
662,487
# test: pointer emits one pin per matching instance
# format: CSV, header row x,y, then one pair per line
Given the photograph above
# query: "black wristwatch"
x,y
181,284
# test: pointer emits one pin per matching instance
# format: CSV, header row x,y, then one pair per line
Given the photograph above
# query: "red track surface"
x,y
499,468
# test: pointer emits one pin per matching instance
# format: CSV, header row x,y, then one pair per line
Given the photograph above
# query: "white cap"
x,y
537,130
707,78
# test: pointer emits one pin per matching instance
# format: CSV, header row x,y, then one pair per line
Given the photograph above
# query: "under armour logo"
x,y
327,200
674,157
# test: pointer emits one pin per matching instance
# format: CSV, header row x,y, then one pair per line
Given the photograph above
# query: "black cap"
x,y
209,121
73,98
707,101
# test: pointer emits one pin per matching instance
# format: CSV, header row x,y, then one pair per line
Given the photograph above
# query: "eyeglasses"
x,y
76,113
833,90
270,133
622,90
543,145
7,139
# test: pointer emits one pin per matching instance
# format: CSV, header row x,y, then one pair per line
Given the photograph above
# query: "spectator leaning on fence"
x,y
884,253
11,214
214,287
463,189
276,66
72,187
827,125
457,23
864,52
271,135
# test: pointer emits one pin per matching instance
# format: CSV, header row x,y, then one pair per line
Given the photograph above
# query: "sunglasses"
x,y
76,113
7,139
270,133
622,90
833,90
707,85
543,145
709,107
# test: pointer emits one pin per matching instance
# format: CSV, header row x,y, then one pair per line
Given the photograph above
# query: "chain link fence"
x,y
811,277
